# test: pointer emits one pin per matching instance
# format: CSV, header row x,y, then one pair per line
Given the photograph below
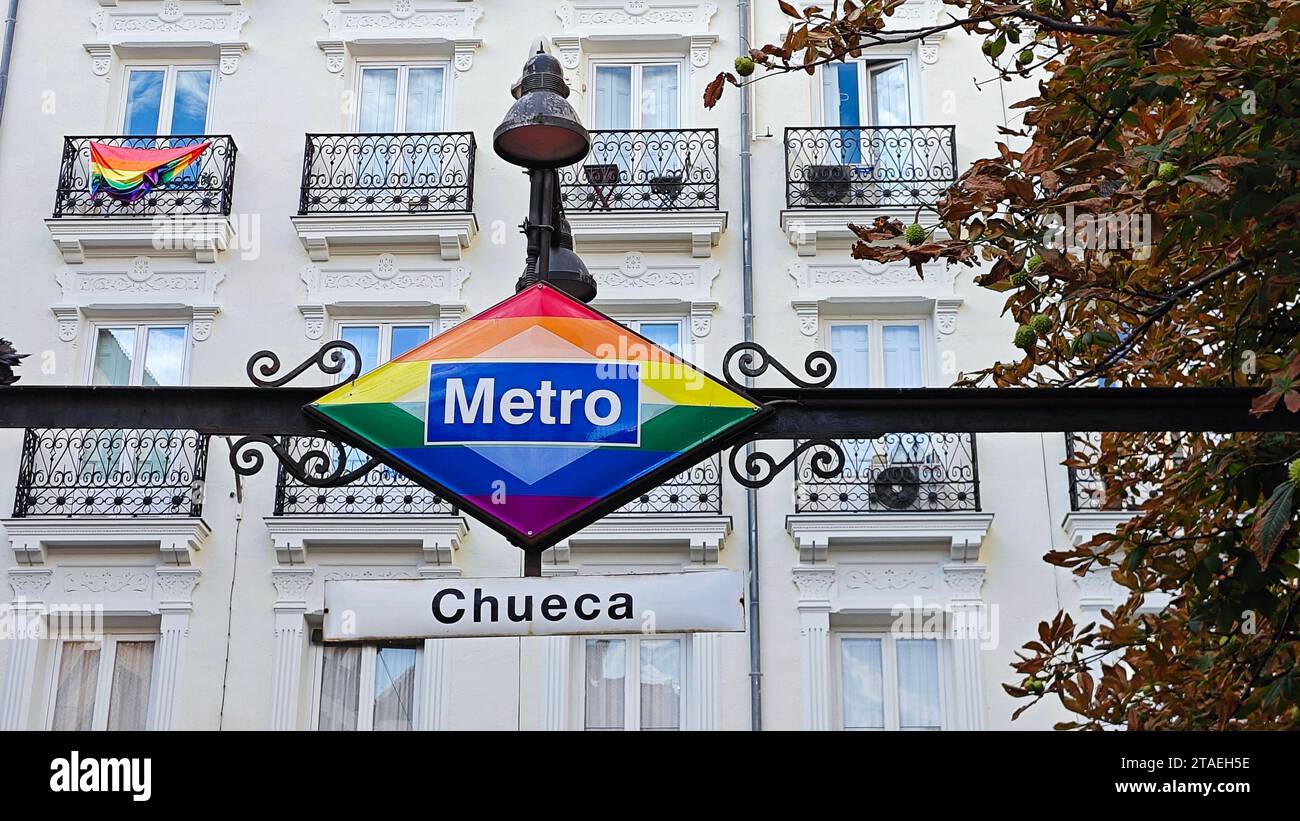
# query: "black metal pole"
x,y
539,228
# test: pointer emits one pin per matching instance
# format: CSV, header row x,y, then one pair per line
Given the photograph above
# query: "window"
x,y
884,354
102,685
636,95
866,94
878,353
378,342
394,99
146,355
666,333
889,683
366,687
633,684
167,100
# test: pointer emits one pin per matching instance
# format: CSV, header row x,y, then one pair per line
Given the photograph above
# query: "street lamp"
x,y
541,132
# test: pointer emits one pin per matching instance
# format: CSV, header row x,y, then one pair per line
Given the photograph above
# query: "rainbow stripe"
x,y
127,174
528,488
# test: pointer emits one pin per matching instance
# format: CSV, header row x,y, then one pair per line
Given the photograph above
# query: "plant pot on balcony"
x,y
828,183
667,187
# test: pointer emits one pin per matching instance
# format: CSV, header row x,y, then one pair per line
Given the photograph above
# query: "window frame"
x,y
633,323
103,677
141,328
889,678
167,106
632,680
864,68
366,689
385,325
403,71
876,344
638,63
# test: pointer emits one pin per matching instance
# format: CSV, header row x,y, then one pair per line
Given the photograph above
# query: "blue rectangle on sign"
x,y
544,403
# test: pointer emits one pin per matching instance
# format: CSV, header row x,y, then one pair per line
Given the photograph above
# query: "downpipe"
x,y
751,494
11,22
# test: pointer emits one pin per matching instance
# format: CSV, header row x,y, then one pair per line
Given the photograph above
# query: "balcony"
x,y
867,171
382,491
694,491
368,192
93,489
1093,490
657,186
77,472
189,213
897,489
899,472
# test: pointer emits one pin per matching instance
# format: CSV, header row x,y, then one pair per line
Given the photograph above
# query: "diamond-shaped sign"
x,y
538,415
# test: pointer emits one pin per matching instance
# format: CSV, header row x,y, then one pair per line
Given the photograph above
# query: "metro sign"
x,y
538,415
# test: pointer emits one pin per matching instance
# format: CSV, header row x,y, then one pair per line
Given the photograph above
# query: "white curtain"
x,y
918,684
613,97
74,702
340,689
661,684
606,673
659,101
394,688
862,684
128,702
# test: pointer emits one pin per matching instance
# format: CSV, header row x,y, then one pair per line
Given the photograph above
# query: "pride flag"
x,y
515,465
127,174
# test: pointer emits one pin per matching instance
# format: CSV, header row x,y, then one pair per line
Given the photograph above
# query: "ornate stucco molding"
x,y
821,285
216,26
387,282
663,284
189,290
401,22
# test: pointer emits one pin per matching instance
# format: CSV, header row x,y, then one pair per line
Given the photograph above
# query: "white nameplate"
x,y
370,609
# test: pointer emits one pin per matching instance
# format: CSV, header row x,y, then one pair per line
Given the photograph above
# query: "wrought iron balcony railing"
x,y
1091,489
385,491
388,173
381,491
669,169
898,472
204,188
102,472
869,166
697,490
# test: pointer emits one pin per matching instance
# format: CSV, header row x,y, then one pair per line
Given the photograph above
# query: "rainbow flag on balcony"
x,y
127,174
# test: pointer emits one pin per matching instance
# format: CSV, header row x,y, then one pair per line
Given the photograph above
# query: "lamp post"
x,y
541,132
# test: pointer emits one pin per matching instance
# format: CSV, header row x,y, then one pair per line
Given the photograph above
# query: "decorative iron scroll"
x,y
332,358
314,467
826,462
753,360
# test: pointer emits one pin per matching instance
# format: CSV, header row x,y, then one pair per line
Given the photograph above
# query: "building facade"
x,y
346,188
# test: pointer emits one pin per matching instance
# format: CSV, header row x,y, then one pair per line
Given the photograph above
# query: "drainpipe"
x,y
11,21
751,495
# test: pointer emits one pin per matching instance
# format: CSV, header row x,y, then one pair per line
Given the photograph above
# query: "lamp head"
x,y
541,129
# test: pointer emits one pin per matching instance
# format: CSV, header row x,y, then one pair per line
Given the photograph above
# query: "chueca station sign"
x,y
374,610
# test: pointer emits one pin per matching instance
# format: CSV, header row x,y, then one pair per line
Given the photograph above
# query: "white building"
x,y
210,589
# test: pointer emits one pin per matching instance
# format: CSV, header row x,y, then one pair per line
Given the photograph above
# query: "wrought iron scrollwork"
x,y
332,358
314,467
753,360
760,468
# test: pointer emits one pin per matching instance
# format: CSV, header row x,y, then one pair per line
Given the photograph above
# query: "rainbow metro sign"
x,y
538,416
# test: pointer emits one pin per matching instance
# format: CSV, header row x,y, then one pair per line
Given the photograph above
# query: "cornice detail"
x,y
170,23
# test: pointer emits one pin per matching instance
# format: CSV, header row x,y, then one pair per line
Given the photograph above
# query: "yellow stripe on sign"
x,y
682,384
387,383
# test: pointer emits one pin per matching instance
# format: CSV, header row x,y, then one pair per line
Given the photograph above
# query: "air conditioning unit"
x,y
905,474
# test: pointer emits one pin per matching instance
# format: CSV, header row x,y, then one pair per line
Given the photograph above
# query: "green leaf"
x,y
1272,521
